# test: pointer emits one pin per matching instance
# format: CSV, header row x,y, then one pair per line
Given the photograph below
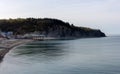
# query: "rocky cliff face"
x,y
72,33
48,27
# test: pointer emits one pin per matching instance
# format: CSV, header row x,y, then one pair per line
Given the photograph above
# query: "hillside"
x,y
48,27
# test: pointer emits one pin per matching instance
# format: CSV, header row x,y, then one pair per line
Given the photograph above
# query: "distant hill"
x,y
48,27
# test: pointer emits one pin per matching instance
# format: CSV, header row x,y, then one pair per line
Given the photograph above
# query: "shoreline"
x,y
7,45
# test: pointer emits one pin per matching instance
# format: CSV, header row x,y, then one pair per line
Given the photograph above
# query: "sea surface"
x,y
79,56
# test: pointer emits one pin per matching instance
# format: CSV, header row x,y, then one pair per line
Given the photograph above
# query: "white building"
x,y
34,36
2,35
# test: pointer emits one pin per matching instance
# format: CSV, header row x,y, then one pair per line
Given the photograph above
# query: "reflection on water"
x,y
82,56
41,50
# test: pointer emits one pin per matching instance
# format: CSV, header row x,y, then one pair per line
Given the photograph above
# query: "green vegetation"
x,y
48,27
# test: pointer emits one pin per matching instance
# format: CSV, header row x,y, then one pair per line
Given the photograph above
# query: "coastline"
x,y
6,45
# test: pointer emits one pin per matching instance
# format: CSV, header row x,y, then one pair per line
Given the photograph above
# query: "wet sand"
x,y
7,45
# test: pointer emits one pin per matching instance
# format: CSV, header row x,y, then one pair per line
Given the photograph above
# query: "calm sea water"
x,y
80,56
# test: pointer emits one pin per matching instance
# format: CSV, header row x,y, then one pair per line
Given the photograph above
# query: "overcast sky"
x,y
99,14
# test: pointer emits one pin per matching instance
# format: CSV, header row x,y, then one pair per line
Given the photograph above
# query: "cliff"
x,y
48,27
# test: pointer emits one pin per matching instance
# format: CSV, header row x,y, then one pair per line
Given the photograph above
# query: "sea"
x,y
78,56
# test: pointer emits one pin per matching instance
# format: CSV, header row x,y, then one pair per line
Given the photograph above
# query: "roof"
x,y
1,36
31,35
37,35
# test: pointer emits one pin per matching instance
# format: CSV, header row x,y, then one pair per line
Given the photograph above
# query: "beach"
x,y
7,44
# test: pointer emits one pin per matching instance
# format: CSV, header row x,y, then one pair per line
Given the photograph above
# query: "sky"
x,y
98,14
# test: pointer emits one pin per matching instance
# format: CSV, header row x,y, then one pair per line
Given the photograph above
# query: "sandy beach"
x,y
7,44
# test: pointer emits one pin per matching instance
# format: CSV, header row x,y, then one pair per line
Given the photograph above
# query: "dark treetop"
x,y
48,27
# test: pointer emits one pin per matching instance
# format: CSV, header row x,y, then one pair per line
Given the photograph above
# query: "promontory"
x,y
48,27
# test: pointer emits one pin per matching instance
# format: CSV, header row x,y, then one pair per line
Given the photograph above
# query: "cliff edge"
x,y
48,27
